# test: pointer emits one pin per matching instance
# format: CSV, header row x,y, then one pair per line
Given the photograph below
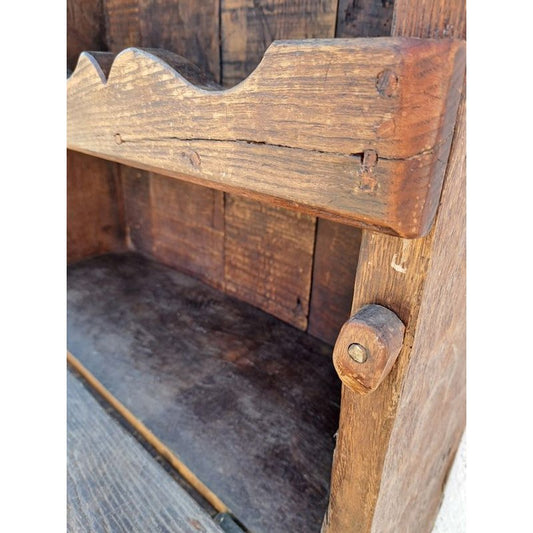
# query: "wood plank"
x,y
189,28
248,28
335,264
176,223
85,29
310,154
186,27
113,484
395,446
364,18
94,210
269,257
181,239
246,401
337,246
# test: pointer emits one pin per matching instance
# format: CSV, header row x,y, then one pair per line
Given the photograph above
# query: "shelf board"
x,y
247,402
113,484
354,130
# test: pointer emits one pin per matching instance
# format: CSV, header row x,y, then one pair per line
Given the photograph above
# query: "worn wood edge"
x,y
412,263
387,210
163,450
378,334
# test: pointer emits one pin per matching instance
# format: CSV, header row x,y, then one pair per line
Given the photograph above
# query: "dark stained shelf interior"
x,y
247,402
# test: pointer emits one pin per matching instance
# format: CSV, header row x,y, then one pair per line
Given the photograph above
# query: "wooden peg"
x,y
367,346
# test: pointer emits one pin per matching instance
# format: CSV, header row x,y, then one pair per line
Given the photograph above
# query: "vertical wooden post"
x,y
395,446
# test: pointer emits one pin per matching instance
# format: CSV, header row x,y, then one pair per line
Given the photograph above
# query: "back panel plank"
x,y
85,29
113,484
335,264
189,235
94,207
248,28
269,257
364,18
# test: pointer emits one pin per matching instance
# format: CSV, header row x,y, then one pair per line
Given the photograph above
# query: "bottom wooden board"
x,y
113,484
247,402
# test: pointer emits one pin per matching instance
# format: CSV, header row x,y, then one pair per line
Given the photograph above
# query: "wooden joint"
x,y
367,347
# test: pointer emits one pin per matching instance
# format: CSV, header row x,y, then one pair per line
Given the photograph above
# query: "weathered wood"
x,y
85,29
113,484
364,18
269,257
186,27
367,347
180,238
248,29
176,223
395,446
380,166
337,246
94,208
246,401
334,266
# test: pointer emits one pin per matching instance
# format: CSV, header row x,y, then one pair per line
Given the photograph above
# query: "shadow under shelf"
x,y
247,402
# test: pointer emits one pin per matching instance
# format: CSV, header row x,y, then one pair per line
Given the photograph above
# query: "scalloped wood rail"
x,y
354,130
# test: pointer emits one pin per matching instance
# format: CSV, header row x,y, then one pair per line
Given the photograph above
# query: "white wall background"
x,y
452,514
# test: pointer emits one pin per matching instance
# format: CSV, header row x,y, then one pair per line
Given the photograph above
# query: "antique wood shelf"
x,y
354,130
205,297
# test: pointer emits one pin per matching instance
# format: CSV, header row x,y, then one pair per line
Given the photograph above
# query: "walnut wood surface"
x,y
247,402
395,446
386,174
113,484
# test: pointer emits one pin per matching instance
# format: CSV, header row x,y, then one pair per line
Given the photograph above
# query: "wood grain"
x,y
94,209
176,223
248,28
335,262
269,257
364,18
186,27
85,29
393,454
113,484
337,245
379,168
247,402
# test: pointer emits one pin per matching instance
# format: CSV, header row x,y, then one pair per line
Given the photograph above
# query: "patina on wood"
x,y
396,445
113,484
248,403
379,165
